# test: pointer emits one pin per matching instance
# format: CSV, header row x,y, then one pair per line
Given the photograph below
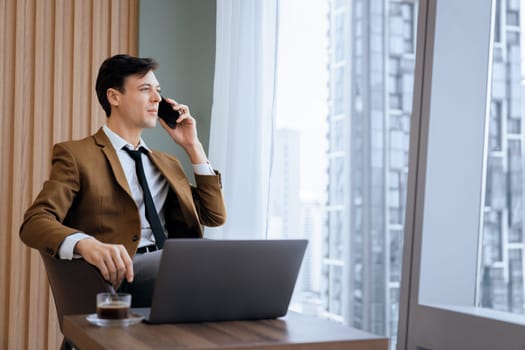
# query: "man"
x,y
94,204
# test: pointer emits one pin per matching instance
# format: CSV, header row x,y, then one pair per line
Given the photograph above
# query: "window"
x,y
463,267
346,133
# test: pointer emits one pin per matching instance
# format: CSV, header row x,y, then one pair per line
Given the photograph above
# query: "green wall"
x,y
180,35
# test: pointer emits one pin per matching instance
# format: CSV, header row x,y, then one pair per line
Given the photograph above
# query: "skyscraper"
x,y
284,193
372,56
293,217
502,284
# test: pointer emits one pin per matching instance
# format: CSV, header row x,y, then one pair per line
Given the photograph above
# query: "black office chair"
x,y
74,284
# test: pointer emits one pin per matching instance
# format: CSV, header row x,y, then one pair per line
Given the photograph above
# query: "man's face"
x,y
140,101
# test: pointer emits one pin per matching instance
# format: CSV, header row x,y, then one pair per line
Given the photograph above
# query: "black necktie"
x,y
151,212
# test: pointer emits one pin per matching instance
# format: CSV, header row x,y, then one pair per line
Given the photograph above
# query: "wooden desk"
x,y
295,331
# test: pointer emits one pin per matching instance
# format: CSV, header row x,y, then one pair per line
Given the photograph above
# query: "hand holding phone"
x,y
167,113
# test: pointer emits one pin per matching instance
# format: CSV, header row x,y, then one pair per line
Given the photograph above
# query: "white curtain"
x,y
242,119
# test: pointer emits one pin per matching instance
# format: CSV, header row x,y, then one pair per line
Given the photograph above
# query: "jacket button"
x,y
135,238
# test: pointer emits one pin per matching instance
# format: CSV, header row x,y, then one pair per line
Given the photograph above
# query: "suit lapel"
x,y
173,174
102,140
179,183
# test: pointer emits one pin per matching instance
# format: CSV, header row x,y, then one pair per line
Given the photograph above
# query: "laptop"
x,y
202,280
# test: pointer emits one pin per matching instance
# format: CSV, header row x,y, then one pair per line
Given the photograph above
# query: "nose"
x,y
156,96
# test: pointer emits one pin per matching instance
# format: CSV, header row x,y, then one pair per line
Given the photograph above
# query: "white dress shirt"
x,y
158,186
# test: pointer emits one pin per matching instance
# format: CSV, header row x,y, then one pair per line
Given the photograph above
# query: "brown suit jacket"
x,y
87,192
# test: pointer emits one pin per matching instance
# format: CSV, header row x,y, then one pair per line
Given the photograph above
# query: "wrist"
x,y
196,153
81,245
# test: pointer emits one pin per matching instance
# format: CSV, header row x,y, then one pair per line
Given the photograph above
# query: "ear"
x,y
113,96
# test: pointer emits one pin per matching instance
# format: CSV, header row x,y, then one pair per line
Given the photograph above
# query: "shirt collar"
x,y
118,142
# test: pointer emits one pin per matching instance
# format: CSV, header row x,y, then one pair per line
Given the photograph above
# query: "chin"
x,y
149,124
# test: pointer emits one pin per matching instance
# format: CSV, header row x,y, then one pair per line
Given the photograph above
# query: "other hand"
x,y
112,260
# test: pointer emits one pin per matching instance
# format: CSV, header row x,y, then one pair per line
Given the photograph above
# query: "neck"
x,y
131,135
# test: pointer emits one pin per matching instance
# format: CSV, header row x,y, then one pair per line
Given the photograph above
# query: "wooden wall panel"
x,y
50,51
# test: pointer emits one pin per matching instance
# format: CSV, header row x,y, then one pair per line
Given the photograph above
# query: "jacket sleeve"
x,y
42,226
208,199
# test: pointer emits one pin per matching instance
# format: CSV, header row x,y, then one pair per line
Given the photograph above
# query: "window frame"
x,y
441,256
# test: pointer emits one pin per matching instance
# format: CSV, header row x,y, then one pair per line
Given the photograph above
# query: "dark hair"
x,y
114,71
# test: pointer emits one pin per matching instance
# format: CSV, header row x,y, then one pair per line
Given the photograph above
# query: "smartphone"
x,y
168,114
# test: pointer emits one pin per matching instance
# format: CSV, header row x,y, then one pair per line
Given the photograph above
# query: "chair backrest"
x,y
75,284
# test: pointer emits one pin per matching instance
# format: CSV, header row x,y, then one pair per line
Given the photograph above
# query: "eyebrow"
x,y
148,85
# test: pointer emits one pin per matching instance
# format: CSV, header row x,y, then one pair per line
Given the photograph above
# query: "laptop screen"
x,y
218,280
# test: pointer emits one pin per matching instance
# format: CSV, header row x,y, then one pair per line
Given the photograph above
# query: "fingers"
x,y
185,119
170,100
128,264
185,134
112,260
103,269
184,115
120,265
112,270
184,110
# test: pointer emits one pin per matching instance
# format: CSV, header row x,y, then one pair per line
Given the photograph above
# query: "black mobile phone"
x,y
168,114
